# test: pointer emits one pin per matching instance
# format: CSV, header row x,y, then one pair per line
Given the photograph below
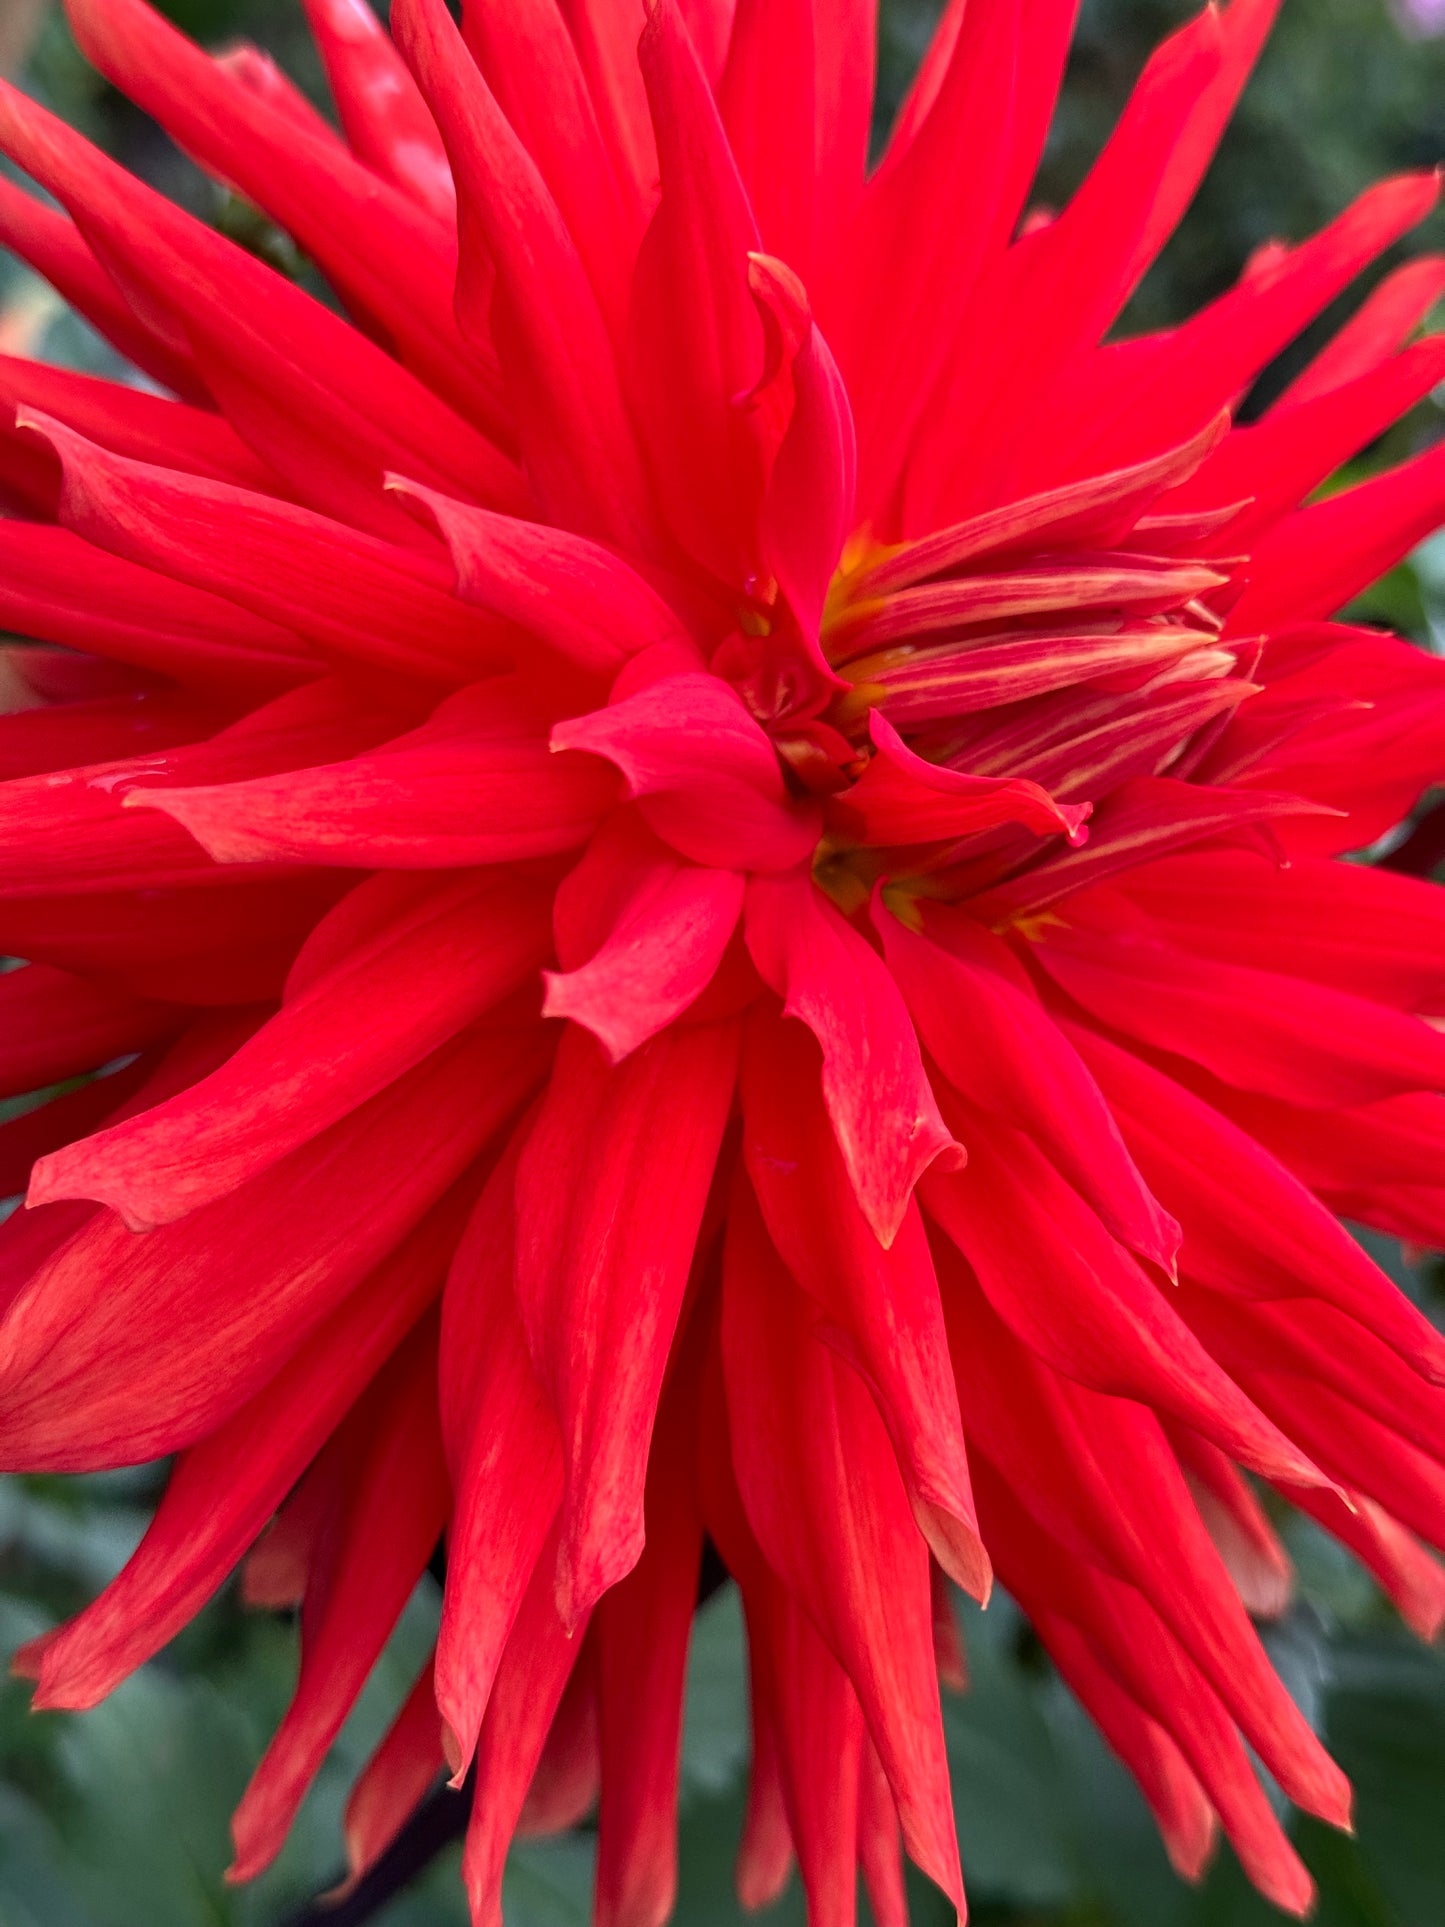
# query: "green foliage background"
x,y
119,1818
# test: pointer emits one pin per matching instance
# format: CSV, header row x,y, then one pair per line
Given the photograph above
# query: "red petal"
x,y
223,1490
1238,1524
642,1626
29,1136
807,512
819,1481
878,1308
814,1712
538,1662
1123,1634
60,589
348,592
475,785
55,1026
1253,1229
1079,1300
328,408
1282,1036
505,1459
390,258
385,118
767,99
982,1020
1166,384
1098,1475
695,344
900,798
957,178
1405,1570
1313,562
531,64
132,422
1385,319
1094,513
564,1787
51,244
151,941
606,33
667,925
1274,465
1367,931
396,1506
1178,1802
610,1194
580,598
712,783
133,1374
394,1780
1145,817
35,742
577,444
884,1115
444,954
878,1843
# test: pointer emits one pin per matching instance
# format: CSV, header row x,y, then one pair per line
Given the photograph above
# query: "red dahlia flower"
x,y
712,834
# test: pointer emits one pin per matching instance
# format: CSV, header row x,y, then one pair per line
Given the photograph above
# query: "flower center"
x,y
1018,658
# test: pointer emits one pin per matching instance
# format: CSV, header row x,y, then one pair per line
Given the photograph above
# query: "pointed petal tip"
x,y
587,1570
457,1753
344,1889
47,1181
245,1864
416,498
885,1218
954,1540
1427,1354
27,1660
35,421
1303,1471
1333,1798
977,1578
61,1684
54,1179
1296,1896
558,1002
1424,1618
1192,1857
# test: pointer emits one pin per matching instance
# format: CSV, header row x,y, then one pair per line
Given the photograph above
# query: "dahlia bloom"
x,y
708,837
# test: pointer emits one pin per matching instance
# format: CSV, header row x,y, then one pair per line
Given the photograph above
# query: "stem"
x,y
442,1815
440,1819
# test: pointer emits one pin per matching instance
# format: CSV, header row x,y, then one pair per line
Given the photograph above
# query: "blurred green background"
x,y
119,1818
